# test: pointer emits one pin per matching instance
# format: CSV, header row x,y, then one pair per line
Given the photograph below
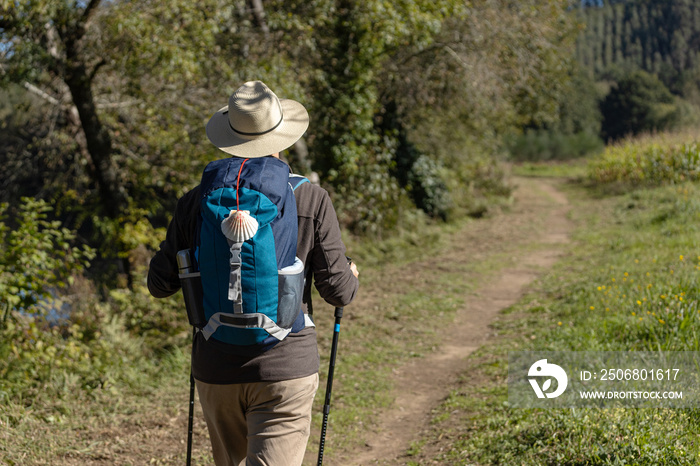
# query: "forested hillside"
x,y
657,37
646,55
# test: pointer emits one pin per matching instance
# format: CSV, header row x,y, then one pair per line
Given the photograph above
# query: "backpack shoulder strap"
x,y
294,182
297,180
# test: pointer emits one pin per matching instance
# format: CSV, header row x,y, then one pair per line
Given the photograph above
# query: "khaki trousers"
x,y
262,423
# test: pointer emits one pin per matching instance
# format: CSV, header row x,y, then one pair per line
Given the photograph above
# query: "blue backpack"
x,y
252,284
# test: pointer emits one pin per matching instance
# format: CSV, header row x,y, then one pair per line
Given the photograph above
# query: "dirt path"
x,y
535,230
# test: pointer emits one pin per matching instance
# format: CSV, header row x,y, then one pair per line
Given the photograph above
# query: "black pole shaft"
x,y
329,384
190,422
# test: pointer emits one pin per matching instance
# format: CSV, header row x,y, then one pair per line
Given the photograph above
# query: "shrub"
x,y
427,189
37,260
161,323
420,175
41,291
56,336
649,162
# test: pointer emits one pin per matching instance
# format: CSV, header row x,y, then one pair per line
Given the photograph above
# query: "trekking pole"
x,y
190,422
329,385
192,293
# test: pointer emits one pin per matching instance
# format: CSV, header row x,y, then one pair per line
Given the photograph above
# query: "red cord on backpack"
x,y
238,182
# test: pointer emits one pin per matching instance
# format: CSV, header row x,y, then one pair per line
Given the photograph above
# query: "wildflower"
x,y
613,279
639,303
663,296
592,308
607,309
558,323
626,274
636,261
599,288
661,321
681,257
634,313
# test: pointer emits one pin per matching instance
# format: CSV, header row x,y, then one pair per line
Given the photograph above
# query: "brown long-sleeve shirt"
x,y
321,249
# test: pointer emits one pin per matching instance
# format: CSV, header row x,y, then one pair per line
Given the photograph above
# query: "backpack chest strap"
x,y
235,291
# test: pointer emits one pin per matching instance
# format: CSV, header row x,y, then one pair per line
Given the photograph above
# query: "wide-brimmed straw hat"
x,y
256,123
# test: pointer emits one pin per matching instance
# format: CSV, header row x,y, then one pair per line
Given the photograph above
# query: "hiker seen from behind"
x,y
258,237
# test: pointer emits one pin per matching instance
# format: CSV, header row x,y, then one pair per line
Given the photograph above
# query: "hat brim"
x,y
294,124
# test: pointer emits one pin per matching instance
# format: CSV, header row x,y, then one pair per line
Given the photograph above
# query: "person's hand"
x,y
353,268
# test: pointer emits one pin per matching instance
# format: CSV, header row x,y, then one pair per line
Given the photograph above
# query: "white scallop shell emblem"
x,y
239,226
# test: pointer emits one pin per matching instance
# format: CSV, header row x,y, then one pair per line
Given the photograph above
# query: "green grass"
x,y
631,284
107,424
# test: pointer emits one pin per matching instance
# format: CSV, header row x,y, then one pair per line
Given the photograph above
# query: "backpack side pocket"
x,y
290,290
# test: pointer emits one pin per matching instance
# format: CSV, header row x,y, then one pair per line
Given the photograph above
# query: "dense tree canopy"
x,y
659,36
111,97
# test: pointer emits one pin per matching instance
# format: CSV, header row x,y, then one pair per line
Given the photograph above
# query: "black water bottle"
x,y
191,289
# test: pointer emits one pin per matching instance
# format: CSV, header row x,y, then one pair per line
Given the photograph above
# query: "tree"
x,y
48,43
638,102
350,147
122,84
